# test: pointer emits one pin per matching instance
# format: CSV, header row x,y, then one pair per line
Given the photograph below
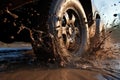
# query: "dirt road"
x,y
51,74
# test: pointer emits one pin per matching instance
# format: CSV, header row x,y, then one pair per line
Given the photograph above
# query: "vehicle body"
x,y
19,21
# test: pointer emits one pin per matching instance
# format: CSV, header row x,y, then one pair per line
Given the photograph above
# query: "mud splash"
x,y
19,63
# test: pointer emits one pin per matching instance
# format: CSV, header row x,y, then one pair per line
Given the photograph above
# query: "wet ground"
x,y
17,63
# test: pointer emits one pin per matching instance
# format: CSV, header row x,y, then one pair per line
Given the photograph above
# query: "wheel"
x,y
67,29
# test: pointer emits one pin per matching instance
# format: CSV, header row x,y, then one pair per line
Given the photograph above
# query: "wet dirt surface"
x,y
17,63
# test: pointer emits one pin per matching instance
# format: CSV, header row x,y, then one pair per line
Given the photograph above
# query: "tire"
x,y
67,32
100,35
98,38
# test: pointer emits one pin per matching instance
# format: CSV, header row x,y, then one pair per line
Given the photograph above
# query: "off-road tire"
x,y
98,37
65,31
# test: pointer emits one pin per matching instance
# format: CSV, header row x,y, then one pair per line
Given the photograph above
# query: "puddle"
x,y
84,69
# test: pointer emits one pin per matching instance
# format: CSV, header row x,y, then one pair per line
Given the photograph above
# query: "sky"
x,y
109,11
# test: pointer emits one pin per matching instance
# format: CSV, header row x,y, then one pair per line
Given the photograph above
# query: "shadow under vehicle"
x,y
56,29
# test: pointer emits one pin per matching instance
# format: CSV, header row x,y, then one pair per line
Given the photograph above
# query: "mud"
x,y
17,62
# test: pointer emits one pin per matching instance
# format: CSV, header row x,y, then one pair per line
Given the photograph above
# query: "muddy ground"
x,y
17,63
